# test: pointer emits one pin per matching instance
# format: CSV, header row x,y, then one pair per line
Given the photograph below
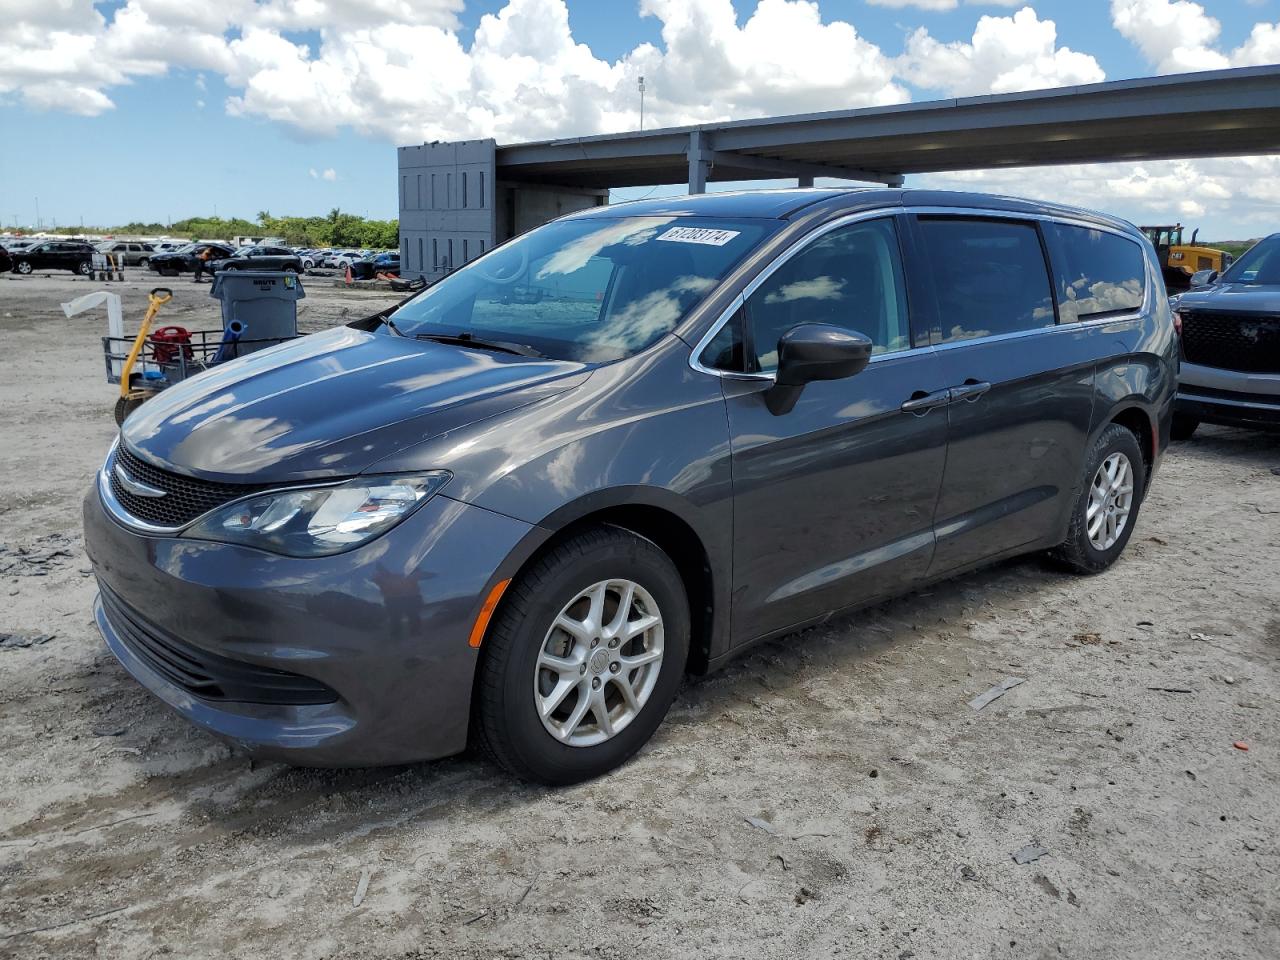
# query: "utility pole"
x,y
37,213
641,86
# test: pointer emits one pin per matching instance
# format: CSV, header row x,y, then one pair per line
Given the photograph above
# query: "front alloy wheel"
x,y
23,267
599,663
582,658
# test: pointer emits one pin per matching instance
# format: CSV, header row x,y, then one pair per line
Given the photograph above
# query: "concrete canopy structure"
x,y
1219,113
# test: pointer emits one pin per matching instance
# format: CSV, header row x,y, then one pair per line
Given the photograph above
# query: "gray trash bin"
x,y
259,309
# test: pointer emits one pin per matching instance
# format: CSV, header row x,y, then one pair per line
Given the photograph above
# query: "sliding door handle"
x,y
970,390
921,403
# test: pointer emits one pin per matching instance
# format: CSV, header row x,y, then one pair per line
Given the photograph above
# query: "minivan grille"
x,y
185,498
1246,342
208,676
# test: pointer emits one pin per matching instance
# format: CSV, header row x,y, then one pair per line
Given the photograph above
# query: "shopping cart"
x,y
153,360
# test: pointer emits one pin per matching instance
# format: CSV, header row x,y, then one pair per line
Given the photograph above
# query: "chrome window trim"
x,y
801,242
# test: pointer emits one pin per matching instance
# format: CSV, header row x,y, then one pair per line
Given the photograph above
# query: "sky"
x,y
163,109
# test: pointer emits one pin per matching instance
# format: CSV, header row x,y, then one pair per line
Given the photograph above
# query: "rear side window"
x,y
1099,273
989,276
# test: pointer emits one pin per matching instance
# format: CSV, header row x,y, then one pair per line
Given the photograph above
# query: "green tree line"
x,y
337,229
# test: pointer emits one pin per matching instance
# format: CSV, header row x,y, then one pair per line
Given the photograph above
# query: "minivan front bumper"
x,y
358,659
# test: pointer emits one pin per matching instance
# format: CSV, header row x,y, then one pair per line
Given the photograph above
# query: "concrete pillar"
x,y
698,165
804,181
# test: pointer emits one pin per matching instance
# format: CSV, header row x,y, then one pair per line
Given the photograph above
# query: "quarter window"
x,y
1099,273
989,276
850,277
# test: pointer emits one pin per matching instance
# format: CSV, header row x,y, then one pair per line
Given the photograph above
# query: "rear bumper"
x,y
1229,397
355,660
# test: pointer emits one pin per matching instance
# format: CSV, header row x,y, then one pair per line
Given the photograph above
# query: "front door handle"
x,y
921,403
970,390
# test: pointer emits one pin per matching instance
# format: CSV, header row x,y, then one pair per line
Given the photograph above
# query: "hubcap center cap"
x,y
599,662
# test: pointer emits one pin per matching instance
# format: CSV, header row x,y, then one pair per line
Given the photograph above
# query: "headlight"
x,y
319,521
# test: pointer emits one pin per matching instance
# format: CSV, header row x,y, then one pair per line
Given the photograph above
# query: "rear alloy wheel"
x,y
583,658
23,267
1106,508
1183,427
84,268
144,263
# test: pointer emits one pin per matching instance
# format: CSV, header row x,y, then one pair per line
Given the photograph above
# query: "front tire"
x,y
583,659
84,268
23,267
1182,427
1106,508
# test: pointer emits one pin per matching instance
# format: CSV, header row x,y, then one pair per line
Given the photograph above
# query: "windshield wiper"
x,y
469,340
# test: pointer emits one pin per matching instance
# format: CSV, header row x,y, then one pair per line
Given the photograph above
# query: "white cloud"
x,y
1006,54
1239,195
1177,36
328,174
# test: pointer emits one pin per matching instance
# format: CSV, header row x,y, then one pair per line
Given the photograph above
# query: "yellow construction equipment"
x,y
1180,260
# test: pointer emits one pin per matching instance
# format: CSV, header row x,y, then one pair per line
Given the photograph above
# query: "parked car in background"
x,y
169,246
129,253
262,258
184,259
1230,344
367,268
6,261
522,523
307,258
345,258
73,255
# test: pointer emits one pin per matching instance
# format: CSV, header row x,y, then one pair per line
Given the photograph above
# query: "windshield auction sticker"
x,y
714,238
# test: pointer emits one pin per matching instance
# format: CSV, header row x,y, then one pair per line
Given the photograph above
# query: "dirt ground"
x,y
831,794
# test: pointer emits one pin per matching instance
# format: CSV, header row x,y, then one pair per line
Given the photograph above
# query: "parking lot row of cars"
x,y
173,257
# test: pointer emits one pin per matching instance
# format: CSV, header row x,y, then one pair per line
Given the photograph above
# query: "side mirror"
x,y
814,351
1203,278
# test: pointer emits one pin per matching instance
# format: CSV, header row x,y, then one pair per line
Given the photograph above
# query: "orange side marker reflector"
x,y
486,611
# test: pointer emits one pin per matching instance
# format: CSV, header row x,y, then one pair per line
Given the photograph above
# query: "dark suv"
x,y
262,258
1231,344
521,520
183,260
73,255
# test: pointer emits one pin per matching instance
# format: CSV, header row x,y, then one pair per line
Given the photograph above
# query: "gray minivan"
x,y
624,446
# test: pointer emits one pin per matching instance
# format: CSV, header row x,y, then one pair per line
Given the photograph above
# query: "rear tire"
x,y
84,268
1183,427
1089,551
514,685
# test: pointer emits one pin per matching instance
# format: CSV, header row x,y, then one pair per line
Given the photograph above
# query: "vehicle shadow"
x,y
1258,447
329,804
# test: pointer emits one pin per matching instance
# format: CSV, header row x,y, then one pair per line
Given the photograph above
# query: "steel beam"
x,y
700,159
800,168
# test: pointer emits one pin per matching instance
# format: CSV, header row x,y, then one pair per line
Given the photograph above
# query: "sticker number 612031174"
x,y
714,238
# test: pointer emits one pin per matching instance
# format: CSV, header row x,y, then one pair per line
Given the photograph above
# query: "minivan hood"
x,y
331,405
1233,298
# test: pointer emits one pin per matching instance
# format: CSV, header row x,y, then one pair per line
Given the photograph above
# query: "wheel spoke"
x,y
640,659
601,711
556,697
623,613
636,627
574,628
623,683
575,718
595,615
559,665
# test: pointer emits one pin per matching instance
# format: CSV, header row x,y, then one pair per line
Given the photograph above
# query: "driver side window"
x,y
850,277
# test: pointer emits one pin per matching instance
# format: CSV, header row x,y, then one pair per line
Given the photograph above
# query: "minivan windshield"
x,y
593,289
1259,264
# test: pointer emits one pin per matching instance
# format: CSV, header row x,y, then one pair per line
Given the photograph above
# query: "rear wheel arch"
x,y
1139,422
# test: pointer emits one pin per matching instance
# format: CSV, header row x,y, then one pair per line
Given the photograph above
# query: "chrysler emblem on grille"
x,y
133,486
